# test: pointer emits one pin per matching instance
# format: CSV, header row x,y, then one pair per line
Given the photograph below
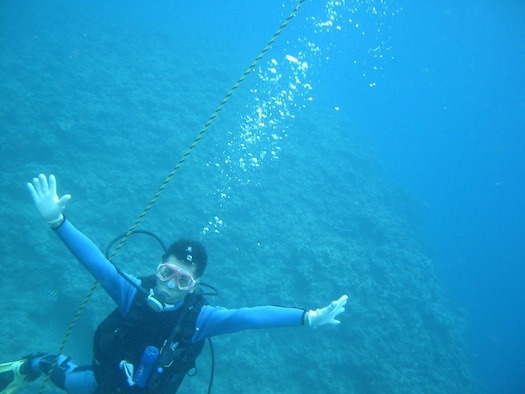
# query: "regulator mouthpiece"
x,y
155,301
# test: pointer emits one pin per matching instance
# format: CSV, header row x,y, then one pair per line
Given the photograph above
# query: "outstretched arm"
x,y
51,209
214,321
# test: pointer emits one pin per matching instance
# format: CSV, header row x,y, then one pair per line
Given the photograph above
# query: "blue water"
x,y
377,144
447,120
451,127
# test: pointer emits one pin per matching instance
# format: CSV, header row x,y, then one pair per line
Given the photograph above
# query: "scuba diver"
x,y
150,342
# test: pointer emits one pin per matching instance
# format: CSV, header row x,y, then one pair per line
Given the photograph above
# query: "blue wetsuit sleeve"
x,y
104,272
214,320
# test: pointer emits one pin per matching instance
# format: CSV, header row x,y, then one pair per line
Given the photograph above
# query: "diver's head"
x,y
190,253
177,275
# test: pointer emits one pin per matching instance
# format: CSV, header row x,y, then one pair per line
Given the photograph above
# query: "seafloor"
x,y
320,221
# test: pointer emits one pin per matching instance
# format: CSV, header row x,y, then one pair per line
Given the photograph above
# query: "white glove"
x,y
46,199
327,315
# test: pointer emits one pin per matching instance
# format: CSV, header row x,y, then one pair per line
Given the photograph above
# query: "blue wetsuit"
x,y
211,320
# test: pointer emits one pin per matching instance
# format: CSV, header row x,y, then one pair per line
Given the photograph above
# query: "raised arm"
x,y
51,208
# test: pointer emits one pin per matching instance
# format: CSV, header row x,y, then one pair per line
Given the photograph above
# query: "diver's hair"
x,y
189,252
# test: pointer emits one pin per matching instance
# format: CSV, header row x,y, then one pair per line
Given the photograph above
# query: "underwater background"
x,y
376,150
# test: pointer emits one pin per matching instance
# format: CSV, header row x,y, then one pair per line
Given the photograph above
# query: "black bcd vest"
x,y
120,338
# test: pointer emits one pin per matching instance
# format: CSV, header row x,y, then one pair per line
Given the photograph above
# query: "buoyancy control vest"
x,y
121,337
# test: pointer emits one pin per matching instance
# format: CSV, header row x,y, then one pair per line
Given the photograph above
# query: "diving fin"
x,y
11,377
